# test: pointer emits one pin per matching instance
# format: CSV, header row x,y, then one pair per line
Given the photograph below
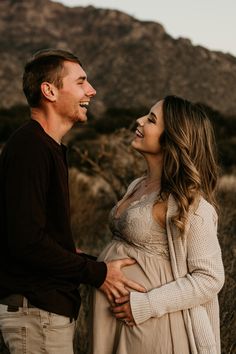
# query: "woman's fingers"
x,y
118,309
123,312
129,323
120,315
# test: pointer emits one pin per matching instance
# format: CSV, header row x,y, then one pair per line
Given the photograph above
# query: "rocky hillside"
x,y
131,63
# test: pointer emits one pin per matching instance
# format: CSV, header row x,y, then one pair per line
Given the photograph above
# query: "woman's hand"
x,y
122,311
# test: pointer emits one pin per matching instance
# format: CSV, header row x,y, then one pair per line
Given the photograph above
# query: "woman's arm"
x,y
203,281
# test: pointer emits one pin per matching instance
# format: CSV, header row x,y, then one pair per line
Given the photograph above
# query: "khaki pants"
x,y
34,331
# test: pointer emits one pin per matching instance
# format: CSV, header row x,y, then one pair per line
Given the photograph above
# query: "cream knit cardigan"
x,y
198,277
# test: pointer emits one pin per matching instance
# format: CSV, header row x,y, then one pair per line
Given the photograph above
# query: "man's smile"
x,y
84,104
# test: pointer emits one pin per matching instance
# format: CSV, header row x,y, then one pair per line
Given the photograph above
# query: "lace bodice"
x,y
137,226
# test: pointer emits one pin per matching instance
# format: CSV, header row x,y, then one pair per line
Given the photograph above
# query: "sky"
x,y
210,23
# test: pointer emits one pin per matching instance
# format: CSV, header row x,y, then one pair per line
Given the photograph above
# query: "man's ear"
x,y
49,91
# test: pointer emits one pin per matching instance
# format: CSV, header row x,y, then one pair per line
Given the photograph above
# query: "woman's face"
x,y
149,131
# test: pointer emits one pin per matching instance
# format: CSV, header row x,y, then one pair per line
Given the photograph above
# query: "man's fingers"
x,y
115,293
116,285
118,290
126,262
135,286
123,292
110,297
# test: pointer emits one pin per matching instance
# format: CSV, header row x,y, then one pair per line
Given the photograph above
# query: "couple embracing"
x,y
156,283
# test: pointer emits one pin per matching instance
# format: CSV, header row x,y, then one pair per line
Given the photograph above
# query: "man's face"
x,y
74,96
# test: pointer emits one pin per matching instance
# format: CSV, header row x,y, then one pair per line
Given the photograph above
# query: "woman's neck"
x,y
154,169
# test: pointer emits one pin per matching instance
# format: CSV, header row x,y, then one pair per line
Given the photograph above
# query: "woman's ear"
x,y
49,91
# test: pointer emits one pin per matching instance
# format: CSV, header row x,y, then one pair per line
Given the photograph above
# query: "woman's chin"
x,y
135,143
136,146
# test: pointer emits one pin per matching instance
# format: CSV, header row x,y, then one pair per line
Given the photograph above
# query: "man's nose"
x,y
90,91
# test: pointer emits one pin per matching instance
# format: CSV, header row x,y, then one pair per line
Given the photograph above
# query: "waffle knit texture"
x,y
198,277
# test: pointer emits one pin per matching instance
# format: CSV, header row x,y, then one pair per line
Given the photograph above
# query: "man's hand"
x,y
116,284
122,310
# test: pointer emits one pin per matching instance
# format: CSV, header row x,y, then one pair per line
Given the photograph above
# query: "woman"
x,y
167,222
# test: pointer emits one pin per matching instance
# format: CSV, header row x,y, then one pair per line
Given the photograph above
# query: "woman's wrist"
x,y
140,306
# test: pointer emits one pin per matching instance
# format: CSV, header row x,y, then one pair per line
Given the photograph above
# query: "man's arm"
x,y
26,188
27,181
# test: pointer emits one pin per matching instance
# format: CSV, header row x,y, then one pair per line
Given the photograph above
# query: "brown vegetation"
x,y
227,237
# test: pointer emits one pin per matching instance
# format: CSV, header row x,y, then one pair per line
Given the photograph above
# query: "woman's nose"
x,y
140,121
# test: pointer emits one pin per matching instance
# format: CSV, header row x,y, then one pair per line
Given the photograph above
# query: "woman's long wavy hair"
x,y
189,160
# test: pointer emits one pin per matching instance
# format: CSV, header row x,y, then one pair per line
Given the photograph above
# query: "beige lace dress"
x,y
139,236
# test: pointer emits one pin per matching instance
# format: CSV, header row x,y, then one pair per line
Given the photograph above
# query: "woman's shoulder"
x,y
203,217
200,211
204,209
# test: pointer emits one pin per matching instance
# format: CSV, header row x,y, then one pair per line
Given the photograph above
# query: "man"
x,y
39,268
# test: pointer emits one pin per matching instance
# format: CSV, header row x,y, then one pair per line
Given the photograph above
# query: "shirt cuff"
x,y
140,307
96,273
102,273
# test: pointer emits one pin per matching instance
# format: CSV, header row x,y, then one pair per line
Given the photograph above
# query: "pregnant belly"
x,y
151,271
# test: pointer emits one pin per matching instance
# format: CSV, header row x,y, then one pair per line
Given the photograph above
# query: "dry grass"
x,y
227,237
228,183
91,199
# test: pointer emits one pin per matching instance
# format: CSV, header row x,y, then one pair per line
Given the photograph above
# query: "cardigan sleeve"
x,y
205,275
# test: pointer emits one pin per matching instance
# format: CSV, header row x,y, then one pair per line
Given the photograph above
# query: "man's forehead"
x,y
74,69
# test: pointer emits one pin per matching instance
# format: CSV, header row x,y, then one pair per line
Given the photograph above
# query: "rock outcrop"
x,y
131,63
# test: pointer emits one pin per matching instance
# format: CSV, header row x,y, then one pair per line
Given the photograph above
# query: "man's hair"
x,y
45,66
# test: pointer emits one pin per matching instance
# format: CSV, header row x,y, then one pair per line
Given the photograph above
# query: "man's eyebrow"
x,y
153,115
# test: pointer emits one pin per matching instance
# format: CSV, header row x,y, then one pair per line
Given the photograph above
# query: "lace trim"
x,y
160,250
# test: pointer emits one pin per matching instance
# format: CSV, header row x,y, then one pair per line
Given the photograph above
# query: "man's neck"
x,y
53,125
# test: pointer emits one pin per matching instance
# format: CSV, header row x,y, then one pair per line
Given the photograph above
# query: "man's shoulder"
x,y
29,130
29,135
26,141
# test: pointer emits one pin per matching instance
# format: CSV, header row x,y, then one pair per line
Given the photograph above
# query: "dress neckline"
x,y
118,216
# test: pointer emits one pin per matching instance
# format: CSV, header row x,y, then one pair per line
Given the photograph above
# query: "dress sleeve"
x,y
203,281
